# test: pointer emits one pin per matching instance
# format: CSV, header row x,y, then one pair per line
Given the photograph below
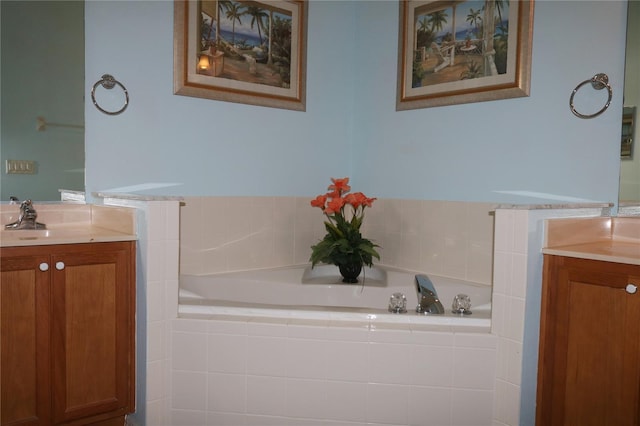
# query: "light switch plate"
x,y
23,167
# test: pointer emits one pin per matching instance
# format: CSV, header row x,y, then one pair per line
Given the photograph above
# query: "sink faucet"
x,y
428,302
27,218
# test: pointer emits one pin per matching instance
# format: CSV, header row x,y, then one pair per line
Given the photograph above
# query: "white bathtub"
x,y
301,294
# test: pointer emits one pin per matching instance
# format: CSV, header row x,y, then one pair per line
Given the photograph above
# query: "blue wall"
x,y
471,152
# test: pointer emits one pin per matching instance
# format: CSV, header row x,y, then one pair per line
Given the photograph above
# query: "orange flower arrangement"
x,y
343,245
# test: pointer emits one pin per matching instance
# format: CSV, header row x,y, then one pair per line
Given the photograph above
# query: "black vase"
x,y
350,272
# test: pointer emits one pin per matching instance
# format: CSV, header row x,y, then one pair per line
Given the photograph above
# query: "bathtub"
x,y
300,294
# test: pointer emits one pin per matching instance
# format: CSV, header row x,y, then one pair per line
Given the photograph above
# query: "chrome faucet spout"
x,y
428,301
27,218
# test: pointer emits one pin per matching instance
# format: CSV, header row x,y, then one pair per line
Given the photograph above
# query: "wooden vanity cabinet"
x,y
67,334
589,357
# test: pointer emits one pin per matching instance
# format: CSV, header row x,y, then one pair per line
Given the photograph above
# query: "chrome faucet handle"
x,y
26,218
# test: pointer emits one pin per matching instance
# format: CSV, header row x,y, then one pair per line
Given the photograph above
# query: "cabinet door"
x,y
93,331
24,338
590,344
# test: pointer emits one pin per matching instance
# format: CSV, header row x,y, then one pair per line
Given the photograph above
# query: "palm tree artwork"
x,y
455,23
253,36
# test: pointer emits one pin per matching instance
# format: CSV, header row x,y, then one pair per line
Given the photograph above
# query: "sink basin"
x,y
40,236
26,234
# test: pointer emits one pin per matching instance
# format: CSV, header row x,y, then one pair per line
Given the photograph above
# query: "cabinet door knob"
x,y
631,289
44,266
59,266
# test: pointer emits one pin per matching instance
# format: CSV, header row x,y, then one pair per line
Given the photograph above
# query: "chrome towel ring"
x,y
598,82
109,82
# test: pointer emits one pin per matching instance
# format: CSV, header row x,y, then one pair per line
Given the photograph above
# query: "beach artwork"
x,y
241,51
463,51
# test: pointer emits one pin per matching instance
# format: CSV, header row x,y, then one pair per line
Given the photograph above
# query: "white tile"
x,y
507,403
227,327
189,390
155,301
171,256
518,281
502,359
474,368
155,261
156,217
226,392
499,312
343,332
513,352
346,401
266,356
267,329
432,338
515,324
173,220
378,334
189,352
502,267
188,417
156,413
350,362
390,363
154,381
432,366
306,358
504,223
227,353
156,335
429,406
266,395
472,408
387,403
171,299
189,325
306,399
520,231
226,419
476,340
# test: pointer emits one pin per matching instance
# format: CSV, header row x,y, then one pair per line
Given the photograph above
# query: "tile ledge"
x,y
553,206
137,197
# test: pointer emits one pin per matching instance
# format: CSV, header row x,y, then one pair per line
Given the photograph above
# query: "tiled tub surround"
x,y
221,234
280,373
283,372
517,262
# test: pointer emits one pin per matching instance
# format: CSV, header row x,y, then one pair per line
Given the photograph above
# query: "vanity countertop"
x,y
609,239
64,234
71,224
608,251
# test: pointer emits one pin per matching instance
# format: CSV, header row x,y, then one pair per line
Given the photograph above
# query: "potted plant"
x,y
343,245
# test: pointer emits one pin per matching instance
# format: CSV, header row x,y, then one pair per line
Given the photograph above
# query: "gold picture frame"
x,y
455,52
250,52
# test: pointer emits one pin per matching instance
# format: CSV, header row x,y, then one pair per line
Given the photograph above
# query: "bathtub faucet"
x,y
27,218
428,302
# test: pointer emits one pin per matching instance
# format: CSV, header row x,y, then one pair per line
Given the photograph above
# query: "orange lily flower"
x,y
319,201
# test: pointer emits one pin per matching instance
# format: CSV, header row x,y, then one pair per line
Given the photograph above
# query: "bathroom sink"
x,y
29,234
23,237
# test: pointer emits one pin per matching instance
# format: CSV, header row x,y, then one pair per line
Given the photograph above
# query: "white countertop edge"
x,y
591,256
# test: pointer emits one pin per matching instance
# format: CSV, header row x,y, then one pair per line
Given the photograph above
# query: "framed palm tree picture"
x,y
454,52
251,52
